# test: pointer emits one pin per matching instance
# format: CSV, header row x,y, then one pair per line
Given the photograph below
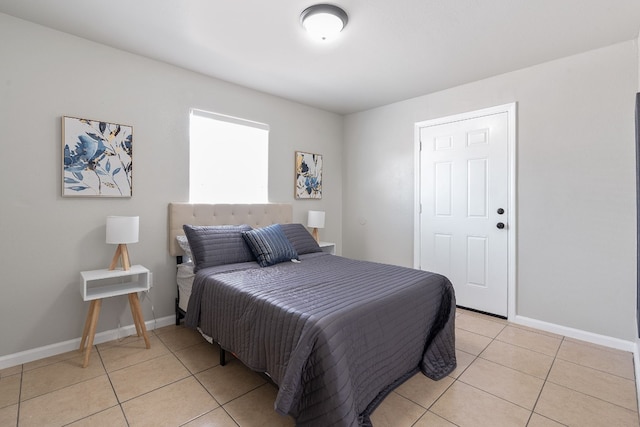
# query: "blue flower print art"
x,y
97,158
308,175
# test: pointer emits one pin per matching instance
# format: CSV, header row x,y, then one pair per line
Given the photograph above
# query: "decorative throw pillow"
x,y
300,238
217,245
270,245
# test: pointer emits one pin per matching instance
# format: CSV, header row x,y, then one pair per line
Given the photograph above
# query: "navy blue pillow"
x,y
270,245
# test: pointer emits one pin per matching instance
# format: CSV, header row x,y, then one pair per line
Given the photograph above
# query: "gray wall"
x,y
47,240
576,254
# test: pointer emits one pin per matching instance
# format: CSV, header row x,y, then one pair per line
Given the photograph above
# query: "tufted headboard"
x,y
255,215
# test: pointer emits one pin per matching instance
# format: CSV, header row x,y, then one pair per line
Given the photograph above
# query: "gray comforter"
x,y
336,335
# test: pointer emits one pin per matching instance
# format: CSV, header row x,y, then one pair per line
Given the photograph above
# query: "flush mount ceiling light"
x,y
324,21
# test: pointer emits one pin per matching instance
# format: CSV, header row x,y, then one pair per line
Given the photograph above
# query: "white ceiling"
x,y
391,50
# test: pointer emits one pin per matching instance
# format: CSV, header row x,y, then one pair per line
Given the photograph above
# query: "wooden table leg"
x,y
87,324
136,312
94,310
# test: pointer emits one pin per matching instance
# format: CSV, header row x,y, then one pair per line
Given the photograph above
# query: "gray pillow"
x,y
270,245
300,238
217,245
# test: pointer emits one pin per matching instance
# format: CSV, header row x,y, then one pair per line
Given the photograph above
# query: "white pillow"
x,y
184,245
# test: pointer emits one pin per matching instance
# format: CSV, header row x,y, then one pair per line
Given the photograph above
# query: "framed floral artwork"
x,y
97,158
308,176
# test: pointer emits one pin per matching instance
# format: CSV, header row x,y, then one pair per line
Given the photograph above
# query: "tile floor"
x,y
507,375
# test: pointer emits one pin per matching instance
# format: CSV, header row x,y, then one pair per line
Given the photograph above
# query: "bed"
x,y
335,335
255,215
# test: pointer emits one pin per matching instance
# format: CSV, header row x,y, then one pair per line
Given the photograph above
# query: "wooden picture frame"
x,y
97,158
308,175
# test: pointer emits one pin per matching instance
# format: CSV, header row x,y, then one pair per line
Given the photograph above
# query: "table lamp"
x,y
120,231
315,220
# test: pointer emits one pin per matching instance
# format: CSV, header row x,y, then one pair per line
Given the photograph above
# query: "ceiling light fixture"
x,y
324,21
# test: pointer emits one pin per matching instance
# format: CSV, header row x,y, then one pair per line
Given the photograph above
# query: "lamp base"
x,y
122,254
315,235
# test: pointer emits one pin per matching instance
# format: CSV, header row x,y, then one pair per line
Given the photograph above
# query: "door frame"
x,y
511,110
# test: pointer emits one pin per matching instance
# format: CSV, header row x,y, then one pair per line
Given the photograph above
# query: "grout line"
x,y
20,395
546,378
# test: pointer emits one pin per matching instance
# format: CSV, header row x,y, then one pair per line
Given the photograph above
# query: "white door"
x,y
464,197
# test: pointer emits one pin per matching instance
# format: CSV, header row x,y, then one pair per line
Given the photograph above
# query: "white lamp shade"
x,y
315,219
122,229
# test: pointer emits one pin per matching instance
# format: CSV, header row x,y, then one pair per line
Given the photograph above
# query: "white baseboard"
x,y
578,334
63,347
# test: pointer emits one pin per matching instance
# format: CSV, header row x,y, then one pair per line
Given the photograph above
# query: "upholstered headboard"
x,y
255,215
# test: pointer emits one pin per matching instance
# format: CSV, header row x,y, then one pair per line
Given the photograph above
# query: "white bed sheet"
x,y
184,277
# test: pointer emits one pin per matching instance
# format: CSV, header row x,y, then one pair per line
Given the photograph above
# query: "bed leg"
x,y
222,356
177,314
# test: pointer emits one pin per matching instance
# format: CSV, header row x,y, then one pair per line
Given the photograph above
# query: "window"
x,y
228,159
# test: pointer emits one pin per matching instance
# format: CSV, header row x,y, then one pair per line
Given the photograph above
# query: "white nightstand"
x,y
328,247
98,284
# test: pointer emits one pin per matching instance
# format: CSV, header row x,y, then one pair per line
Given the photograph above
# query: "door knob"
x,y
500,225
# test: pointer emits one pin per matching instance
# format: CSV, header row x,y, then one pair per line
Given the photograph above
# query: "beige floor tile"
x,y
7,372
50,377
180,338
255,409
483,316
615,362
169,328
127,340
470,342
479,325
463,360
9,390
131,352
50,360
610,388
537,331
9,416
598,346
506,383
531,340
172,405
228,382
135,380
540,421
429,419
199,357
576,409
422,390
68,404
465,405
519,358
396,411
112,417
216,418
